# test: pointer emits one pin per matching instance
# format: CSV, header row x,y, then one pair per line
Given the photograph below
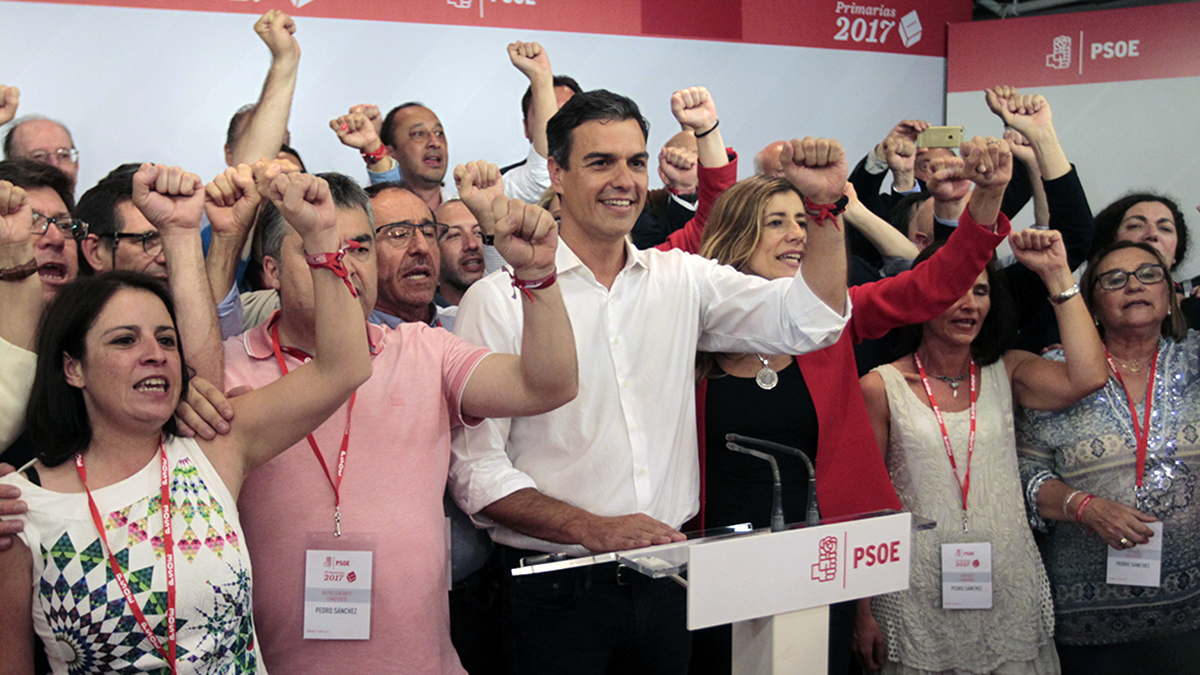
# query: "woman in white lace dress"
x,y
943,415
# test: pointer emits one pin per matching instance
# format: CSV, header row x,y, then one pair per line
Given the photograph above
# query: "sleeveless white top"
x,y
920,634
78,609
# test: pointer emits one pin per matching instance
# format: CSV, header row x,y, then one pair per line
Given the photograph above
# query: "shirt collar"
x,y
381,318
258,339
566,260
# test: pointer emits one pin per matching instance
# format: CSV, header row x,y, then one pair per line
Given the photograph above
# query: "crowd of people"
x,y
549,357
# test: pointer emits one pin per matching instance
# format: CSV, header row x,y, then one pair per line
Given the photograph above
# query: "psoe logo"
x,y
825,568
910,29
461,4
1060,58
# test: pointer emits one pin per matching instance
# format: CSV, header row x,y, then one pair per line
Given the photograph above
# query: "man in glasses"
x,y
56,233
409,259
44,141
119,236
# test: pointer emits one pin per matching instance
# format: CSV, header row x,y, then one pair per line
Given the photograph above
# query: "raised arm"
x,y
267,128
534,63
1042,384
817,168
173,201
231,203
545,375
1030,115
695,109
358,130
20,291
275,417
885,238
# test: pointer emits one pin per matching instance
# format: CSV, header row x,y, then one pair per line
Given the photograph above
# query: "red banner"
x,y
1117,45
893,26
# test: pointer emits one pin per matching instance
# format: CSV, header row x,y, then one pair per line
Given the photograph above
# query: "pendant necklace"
x,y
766,378
952,381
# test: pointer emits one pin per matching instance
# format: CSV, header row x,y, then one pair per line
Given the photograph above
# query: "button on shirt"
x,y
627,443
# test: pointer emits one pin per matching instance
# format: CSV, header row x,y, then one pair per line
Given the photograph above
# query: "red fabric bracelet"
x,y
527,286
1083,505
373,157
823,212
333,262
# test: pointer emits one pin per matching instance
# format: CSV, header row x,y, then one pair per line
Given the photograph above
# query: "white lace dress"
x,y
1015,635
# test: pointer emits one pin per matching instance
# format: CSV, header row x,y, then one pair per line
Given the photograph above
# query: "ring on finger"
x,y
993,142
1124,542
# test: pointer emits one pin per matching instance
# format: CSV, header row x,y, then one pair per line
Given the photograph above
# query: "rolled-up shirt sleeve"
x,y
17,367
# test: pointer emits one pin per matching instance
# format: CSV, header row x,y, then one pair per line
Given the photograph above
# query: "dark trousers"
x,y
1177,654
475,627
599,620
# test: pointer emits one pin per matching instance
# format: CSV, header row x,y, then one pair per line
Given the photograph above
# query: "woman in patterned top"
x,y
1116,471
97,574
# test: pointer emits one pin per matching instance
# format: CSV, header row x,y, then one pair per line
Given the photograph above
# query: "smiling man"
x,y
56,234
617,468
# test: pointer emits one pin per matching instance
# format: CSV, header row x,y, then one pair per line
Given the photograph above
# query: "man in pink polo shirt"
x,y
391,442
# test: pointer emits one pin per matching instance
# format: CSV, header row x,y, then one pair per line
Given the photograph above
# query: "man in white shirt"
x,y
617,468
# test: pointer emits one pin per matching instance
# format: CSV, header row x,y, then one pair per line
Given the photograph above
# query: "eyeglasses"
x,y
69,226
400,235
150,239
61,154
1148,273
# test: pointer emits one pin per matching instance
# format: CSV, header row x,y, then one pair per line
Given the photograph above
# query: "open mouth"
x,y
472,264
418,273
965,324
152,384
52,271
791,257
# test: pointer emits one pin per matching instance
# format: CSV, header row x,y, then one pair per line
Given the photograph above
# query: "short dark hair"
x,y
1108,221
559,81
996,335
28,174
233,133
271,228
599,104
389,121
905,209
292,151
12,131
57,416
1174,326
98,206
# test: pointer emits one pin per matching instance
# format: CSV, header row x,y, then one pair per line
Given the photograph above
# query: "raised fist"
x,y
303,200
170,198
1027,113
231,200
677,169
10,97
695,109
946,181
1039,250
816,167
372,112
479,183
987,162
529,58
278,30
16,215
526,235
356,131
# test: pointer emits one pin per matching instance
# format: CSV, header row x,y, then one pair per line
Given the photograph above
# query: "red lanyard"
x,y
312,442
1141,434
964,484
169,554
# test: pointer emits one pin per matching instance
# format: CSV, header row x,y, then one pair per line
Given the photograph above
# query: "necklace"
x,y
952,381
1135,368
766,378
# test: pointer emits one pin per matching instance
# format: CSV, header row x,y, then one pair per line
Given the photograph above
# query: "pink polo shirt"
x,y
395,476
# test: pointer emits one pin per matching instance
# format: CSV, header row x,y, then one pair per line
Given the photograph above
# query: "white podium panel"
x,y
768,573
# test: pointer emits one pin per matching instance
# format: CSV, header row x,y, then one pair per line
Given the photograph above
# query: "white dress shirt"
x,y
627,443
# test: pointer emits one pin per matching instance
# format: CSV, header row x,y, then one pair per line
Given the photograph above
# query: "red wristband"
x,y
373,157
333,262
1083,505
527,286
823,212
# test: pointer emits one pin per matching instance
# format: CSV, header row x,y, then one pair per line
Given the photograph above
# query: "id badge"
x,y
337,587
1140,565
967,576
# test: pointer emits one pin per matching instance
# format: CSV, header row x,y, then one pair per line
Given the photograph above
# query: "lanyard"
x,y
312,442
964,484
169,556
1141,434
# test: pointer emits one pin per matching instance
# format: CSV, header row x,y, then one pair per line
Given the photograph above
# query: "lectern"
x,y
774,587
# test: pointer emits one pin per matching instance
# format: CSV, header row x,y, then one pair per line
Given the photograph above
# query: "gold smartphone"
x,y
940,137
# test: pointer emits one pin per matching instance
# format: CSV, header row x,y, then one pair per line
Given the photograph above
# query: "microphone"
x,y
777,499
813,517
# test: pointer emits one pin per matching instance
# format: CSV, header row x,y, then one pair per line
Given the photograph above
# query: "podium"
x,y
774,587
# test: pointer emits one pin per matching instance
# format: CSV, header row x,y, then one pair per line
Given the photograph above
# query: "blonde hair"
x,y
735,224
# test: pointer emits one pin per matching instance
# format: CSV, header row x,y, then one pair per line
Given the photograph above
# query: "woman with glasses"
x,y
1115,475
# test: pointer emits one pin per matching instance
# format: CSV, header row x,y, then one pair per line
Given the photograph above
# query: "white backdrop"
x,y
160,85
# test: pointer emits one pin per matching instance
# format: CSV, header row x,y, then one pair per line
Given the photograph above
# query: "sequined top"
x,y
1091,447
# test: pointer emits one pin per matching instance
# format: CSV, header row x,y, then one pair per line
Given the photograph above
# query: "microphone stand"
x,y
777,522
813,517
